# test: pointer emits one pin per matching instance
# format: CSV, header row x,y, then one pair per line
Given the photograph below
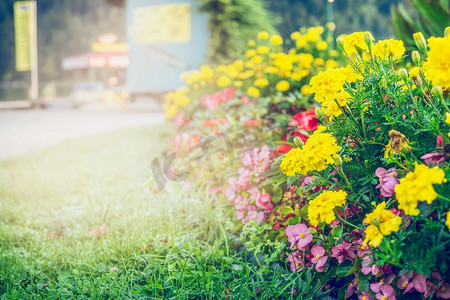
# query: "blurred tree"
x,y
232,23
349,15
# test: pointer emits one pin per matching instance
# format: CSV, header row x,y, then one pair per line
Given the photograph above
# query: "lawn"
x,y
82,219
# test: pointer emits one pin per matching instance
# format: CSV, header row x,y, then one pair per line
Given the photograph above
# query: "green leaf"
x,y
287,210
276,194
336,232
363,281
344,269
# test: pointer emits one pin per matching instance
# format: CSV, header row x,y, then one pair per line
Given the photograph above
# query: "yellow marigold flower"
x,y
171,111
319,61
257,59
271,70
437,67
354,41
253,92
331,64
414,72
321,208
418,186
182,100
301,42
306,90
276,40
282,86
249,53
322,45
447,220
237,83
263,50
261,82
295,35
251,43
306,60
382,222
334,53
319,151
223,81
262,35
447,118
388,48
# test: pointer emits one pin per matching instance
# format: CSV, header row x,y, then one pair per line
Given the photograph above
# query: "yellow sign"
x,y
22,13
114,47
160,24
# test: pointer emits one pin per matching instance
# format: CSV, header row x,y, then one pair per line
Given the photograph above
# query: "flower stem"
x,y
344,221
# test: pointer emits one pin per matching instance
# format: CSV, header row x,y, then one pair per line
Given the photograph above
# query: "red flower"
x,y
304,121
283,149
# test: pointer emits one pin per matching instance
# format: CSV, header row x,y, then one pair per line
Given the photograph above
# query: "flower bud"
x,y
416,58
447,31
403,74
437,91
340,42
318,112
338,161
368,39
420,41
298,142
417,81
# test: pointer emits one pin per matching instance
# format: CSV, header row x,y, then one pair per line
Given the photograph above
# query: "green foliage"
x,y
231,24
430,17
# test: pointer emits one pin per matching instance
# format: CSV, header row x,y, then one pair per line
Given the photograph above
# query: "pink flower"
x,y
264,202
343,251
440,141
385,292
299,235
365,296
388,181
443,291
368,266
433,159
420,283
179,118
304,121
253,215
351,288
404,283
255,194
319,257
244,177
297,261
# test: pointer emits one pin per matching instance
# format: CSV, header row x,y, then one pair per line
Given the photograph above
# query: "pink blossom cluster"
x,y
251,202
214,101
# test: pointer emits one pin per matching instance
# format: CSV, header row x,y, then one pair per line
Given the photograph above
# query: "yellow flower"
x,y
447,220
249,53
354,41
382,222
262,50
171,111
276,40
388,48
437,67
414,72
322,45
321,208
237,83
282,86
319,151
319,61
223,81
182,100
261,82
301,42
306,90
306,60
257,59
295,35
253,92
334,53
262,35
418,186
398,142
331,64
447,118
251,43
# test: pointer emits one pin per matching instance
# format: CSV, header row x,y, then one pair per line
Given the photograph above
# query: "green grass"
x,y
156,245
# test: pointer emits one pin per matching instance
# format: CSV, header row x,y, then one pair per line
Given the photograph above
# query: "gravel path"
x,y
25,130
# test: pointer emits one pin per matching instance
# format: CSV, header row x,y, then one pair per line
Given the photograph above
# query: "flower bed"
x,y
348,187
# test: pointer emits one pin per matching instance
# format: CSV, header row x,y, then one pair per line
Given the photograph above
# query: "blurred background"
x,y
123,55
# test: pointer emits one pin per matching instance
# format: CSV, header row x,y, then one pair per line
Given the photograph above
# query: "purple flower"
x,y
365,296
343,251
368,266
443,291
319,257
299,235
388,181
296,261
404,283
433,159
